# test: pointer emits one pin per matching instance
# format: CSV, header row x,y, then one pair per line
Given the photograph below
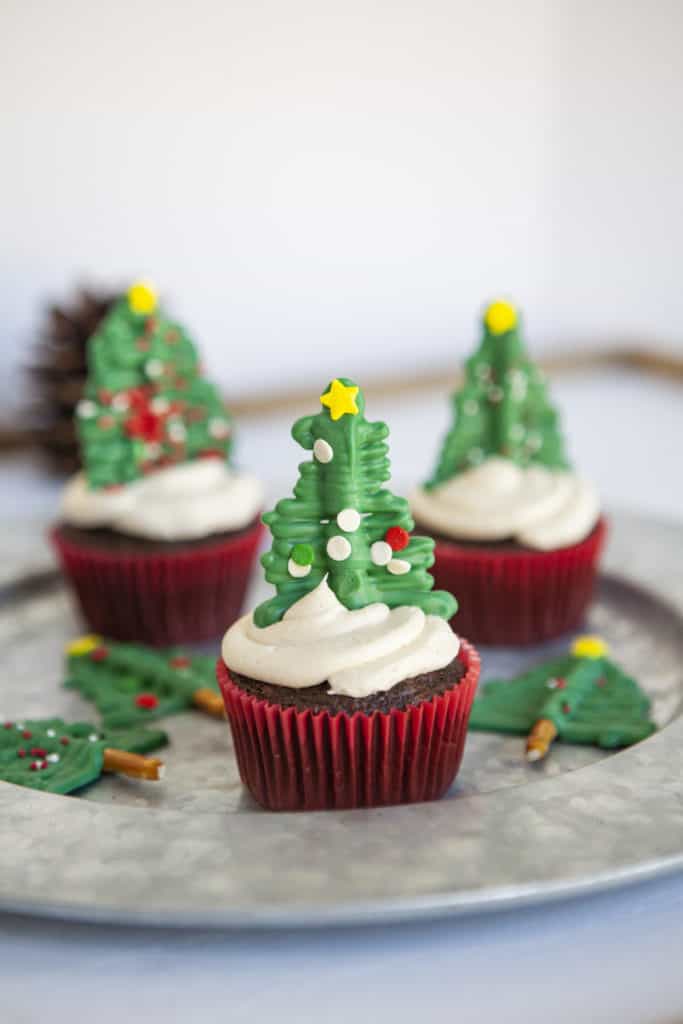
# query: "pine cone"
x,y
58,375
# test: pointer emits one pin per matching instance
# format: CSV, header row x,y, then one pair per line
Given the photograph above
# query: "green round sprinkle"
x,y
302,554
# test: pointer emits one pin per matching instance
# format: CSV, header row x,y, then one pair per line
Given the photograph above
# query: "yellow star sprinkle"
x,y
500,317
589,647
84,645
142,298
340,399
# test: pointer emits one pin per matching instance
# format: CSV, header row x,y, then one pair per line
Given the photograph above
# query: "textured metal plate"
x,y
195,850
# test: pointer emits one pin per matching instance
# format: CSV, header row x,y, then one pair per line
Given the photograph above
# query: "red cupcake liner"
x,y
160,599
292,760
519,597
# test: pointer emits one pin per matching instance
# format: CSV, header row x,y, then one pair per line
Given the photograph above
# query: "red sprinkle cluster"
x,y
397,538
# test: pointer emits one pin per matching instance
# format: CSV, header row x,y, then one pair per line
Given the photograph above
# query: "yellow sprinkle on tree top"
x,y
589,647
340,399
142,298
84,645
500,317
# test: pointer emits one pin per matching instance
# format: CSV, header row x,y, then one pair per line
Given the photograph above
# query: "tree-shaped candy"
x,y
146,404
503,406
130,684
59,757
342,524
581,697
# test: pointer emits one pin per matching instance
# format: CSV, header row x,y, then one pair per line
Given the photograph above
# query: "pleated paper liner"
x,y
519,597
158,599
293,760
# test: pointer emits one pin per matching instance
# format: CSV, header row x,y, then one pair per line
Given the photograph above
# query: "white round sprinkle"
x,y
298,571
93,737
381,553
86,409
52,758
218,427
470,408
120,403
152,450
50,733
338,548
176,431
20,725
398,566
323,451
154,368
552,684
160,405
348,520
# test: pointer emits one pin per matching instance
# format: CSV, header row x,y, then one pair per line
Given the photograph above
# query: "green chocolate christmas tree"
x,y
503,406
581,697
146,404
342,524
59,757
130,684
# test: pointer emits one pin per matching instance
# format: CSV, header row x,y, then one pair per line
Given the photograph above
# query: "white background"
x,y
325,188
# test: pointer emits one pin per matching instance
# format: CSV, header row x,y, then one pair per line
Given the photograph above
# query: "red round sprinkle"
x,y
601,681
147,701
8,725
179,662
565,708
21,752
106,422
43,764
104,396
397,538
65,741
38,752
142,344
561,684
34,766
26,734
99,654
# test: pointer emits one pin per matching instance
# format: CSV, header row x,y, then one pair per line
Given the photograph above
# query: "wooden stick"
x,y
540,739
209,701
135,766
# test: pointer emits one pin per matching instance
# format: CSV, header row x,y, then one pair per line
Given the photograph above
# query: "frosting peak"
x,y
359,652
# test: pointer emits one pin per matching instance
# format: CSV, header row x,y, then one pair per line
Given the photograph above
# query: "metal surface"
x,y
196,851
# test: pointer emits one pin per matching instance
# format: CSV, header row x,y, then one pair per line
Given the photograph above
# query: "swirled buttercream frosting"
x,y
358,652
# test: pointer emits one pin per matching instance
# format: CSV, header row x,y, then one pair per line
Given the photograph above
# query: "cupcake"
x,y
517,532
158,533
347,688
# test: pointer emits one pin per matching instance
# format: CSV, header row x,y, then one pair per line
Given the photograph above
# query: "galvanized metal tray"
x,y
194,850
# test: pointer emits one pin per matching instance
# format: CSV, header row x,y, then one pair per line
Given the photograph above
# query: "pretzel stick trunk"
x,y
135,766
209,701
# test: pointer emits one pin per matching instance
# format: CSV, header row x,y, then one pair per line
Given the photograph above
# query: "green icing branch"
x,y
342,524
146,403
503,406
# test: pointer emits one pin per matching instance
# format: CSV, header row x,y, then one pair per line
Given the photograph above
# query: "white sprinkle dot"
x,y
338,548
398,567
154,368
381,553
52,758
323,451
93,737
160,405
176,431
20,725
219,428
298,571
120,403
86,409
349,520
152,450
50,733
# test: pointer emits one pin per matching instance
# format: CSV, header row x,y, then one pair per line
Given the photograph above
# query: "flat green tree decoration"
x,y
59,757
503,406
342,524
581,697
146,404
130,684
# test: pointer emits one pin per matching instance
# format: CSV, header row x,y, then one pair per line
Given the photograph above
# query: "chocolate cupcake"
x,y
157,535
348,688
517,530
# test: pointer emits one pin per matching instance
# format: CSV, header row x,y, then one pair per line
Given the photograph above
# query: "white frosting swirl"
x,y
183,502
358,652
498,500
